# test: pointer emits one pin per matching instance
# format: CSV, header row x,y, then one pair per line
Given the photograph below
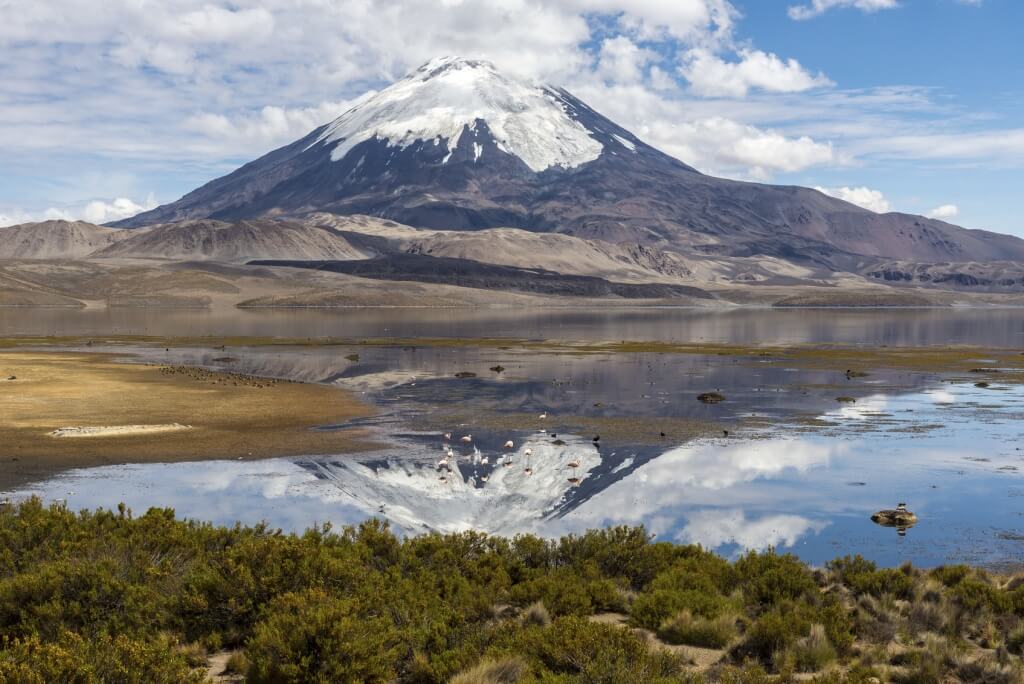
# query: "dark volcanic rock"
x,y
465,273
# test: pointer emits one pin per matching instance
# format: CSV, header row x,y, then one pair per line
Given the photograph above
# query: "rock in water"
x,y
897,517
711,397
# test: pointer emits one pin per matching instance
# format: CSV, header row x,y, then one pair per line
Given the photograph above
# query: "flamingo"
x,y
508,464
442,463
574,464
485,460
447,436
528,471
528,451
467,439
484,478
543,416
509,444
574,481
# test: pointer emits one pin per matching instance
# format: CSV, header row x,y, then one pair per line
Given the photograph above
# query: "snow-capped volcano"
x,y
449,96
459,145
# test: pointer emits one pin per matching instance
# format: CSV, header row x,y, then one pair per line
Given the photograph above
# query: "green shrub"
x,y
950,575
774,632
838,624
100,658
975,595
599,653
312,636
650,610
769,579
863,577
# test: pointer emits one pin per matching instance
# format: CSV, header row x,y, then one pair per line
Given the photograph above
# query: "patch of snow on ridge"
x,y
625,143
446,95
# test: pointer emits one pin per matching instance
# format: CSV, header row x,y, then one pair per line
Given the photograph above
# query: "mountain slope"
x,y
458,145
56,240
234,242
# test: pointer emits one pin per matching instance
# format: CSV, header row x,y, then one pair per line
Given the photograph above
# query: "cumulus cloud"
x,y
95,211
944,212
865,197
713,528
621,60
270,126
12,217
724,142
819,7
710,75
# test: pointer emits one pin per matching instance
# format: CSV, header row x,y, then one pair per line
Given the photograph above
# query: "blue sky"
x,y
903,105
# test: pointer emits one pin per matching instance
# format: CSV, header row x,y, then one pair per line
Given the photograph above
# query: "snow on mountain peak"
x,y
448,94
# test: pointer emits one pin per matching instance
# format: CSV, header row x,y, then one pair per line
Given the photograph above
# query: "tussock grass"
x,y
703,632
507,670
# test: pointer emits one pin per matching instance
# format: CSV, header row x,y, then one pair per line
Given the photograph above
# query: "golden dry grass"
x,y
230,416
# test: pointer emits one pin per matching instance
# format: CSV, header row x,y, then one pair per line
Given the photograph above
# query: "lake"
x,y
779,463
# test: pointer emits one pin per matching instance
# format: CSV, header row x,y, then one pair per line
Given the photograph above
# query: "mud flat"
x,y
69,410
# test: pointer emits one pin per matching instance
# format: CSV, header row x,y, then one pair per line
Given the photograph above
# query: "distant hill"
x,y
56,240
233,242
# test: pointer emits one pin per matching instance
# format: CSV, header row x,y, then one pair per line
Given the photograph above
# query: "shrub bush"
x,y
312,636
769,579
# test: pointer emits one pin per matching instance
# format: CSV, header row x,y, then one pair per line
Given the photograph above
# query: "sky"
x,y
110,108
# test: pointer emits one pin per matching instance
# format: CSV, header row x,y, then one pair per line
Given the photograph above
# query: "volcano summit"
x,y
458,145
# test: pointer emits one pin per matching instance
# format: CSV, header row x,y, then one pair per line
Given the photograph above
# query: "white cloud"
x,y
622,61
992,146
710,75
819,7
12,217
95,211
723,142
269,127
867,198
661,81
713,528
946,211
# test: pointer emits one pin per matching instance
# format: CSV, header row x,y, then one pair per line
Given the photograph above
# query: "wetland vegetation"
x,y
108,596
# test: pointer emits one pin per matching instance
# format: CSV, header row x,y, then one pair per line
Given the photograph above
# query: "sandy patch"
x,y
116,430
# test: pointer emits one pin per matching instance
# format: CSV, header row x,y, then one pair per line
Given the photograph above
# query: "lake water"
x,y
807,481
903,327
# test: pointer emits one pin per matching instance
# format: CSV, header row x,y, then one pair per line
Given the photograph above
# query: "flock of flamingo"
x,y
444,465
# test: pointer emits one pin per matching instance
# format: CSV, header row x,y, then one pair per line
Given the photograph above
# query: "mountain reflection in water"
x,y
807,491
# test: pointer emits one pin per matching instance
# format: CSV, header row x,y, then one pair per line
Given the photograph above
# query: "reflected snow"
x,y
795,489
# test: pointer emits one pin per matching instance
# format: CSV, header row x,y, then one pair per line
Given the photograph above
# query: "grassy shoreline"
x,y
145,413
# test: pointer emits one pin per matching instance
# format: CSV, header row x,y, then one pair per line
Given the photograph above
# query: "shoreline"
x,y
230,416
